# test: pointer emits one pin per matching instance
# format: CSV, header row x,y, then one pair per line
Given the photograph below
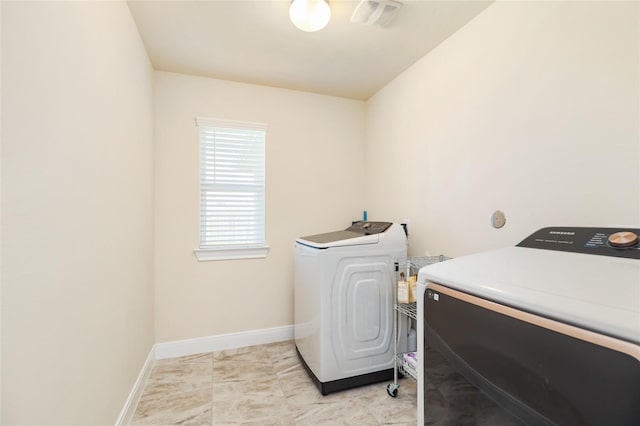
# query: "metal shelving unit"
x,y
408,267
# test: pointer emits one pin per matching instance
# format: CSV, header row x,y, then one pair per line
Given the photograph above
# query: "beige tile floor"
x,y
261,385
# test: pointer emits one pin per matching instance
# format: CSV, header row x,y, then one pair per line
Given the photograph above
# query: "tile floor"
x,y
261,385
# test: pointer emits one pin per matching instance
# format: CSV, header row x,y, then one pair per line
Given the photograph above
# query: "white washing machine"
x,y
344,303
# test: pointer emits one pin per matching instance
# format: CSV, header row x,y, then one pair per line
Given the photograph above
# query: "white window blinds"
x,y
232,184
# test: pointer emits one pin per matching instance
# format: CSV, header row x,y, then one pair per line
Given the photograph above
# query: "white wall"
x,y
531,108
77,200
314,183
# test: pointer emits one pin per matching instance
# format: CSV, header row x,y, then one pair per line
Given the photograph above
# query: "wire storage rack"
x,y
405,362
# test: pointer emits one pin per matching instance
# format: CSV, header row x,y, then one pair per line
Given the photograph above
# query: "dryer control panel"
x,y
616,242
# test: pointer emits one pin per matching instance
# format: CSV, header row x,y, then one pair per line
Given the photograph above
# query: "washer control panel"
x,y
617,242
369,228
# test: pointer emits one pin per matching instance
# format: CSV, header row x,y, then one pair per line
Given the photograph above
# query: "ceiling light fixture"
x,y
310,15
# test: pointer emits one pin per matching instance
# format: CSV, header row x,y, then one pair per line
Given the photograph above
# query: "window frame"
x,y
232,251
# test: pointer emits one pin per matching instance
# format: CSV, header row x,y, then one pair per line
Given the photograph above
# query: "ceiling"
x,y
253,41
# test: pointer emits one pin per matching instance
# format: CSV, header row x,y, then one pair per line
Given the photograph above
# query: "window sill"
x,y
204,255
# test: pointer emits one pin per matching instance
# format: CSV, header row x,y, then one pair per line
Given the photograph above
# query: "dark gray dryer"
x,y
549,329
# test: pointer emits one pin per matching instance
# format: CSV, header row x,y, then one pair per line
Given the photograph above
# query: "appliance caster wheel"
x,y
392,390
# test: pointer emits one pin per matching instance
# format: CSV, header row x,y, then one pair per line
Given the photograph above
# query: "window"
x,y
232,183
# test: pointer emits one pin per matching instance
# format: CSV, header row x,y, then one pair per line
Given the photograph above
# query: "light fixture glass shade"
x,y
310,15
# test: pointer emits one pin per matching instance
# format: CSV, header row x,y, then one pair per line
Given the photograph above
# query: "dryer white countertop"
x,y
599,293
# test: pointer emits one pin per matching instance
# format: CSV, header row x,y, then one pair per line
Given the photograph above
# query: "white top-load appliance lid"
x,y
357,234
598,291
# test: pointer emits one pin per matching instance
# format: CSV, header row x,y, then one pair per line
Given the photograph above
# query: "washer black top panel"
x,y
358,229
331,237
616,242
369,228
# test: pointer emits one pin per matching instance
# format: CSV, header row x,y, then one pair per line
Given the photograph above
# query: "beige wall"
x,y
531,108
77,199
314,183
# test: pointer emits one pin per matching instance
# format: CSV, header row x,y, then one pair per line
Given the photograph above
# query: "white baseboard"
x,y
126,415
196,346
223,341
